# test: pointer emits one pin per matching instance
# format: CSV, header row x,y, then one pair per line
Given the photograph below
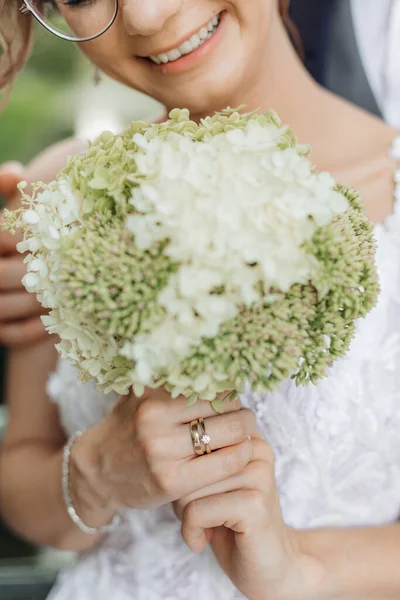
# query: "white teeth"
x,y
195,40
174,55
190,45
185,48
203,33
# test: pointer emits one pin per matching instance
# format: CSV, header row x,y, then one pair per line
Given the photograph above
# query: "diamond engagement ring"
x,y
200,438
204,437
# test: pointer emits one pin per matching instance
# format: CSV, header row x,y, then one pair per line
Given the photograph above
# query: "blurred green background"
x,y
56,97
41,108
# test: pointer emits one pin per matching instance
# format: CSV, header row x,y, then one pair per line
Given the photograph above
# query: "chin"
x,y
201,104
203,96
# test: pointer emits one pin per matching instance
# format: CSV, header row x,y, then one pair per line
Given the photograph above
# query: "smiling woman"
x,y
15,30
324,456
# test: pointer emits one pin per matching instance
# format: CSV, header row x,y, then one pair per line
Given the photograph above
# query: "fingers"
x,y
239,511
12,166
225,430
18,305
11,174
22,333
19,311
175,410
257,474
12,270
202,408
182,413
203,471
9,241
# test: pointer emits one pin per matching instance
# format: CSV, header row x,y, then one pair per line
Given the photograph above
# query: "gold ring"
x,y
194,432
205,439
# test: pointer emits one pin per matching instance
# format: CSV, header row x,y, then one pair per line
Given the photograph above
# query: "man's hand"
x,y
20,312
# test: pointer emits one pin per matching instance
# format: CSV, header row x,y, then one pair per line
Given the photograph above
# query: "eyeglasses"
x,y
73,20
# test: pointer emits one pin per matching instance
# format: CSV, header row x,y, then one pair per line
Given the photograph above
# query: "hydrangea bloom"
x,y
198,256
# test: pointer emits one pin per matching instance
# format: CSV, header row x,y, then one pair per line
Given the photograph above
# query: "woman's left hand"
x,y
241,518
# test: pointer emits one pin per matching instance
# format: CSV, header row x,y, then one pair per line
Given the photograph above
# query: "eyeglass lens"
x,y
75,19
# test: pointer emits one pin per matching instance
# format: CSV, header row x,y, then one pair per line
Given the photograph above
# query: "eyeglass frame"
x,y
25,9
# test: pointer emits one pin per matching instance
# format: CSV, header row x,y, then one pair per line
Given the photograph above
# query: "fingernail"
x,y
12,167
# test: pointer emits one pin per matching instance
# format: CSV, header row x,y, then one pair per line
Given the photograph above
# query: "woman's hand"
x,y
141,455
20,322
241,517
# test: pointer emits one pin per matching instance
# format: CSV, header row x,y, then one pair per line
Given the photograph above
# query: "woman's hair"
x,y
290,26
15,40
16,36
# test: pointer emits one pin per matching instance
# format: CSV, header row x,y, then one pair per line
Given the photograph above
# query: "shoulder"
x,y
46,165
373,176
362,156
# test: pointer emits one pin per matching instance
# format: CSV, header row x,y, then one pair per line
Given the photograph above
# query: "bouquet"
x,y
198,257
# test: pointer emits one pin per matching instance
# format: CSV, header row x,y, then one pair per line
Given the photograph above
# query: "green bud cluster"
x,y
106,174
108,281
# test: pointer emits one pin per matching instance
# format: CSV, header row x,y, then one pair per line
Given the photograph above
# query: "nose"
x,y
147,17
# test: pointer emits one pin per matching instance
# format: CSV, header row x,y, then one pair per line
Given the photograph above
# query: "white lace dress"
x,y
337,447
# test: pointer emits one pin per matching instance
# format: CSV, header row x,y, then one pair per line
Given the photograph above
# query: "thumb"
x,y
10,176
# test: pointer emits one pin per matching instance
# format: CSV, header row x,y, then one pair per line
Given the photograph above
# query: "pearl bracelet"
x,y
67,496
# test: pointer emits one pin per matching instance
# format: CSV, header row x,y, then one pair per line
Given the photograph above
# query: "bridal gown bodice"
x,y
337,448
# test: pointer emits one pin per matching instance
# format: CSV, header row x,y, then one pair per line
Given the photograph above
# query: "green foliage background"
x,y
40,109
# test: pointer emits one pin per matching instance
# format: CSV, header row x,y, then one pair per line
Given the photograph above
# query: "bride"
x,y
300,495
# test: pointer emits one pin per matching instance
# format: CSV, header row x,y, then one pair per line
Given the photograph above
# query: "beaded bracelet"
x,y
67,496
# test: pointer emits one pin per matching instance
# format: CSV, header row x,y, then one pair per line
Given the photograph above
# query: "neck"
x,y
285,85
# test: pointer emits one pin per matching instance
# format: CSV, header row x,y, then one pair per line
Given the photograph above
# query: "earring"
x,y
96,76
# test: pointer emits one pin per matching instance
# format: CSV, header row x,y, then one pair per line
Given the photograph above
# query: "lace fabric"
x,y
337,448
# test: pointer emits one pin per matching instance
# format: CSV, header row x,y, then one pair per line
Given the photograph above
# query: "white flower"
x,y
38,266
93,366
29,245
31,217
31,282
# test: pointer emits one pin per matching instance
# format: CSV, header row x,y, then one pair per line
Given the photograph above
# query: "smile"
x,y
190,45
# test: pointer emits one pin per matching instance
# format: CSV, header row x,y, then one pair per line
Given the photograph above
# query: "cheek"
x,y
109,52
258,13
255,19
114,57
